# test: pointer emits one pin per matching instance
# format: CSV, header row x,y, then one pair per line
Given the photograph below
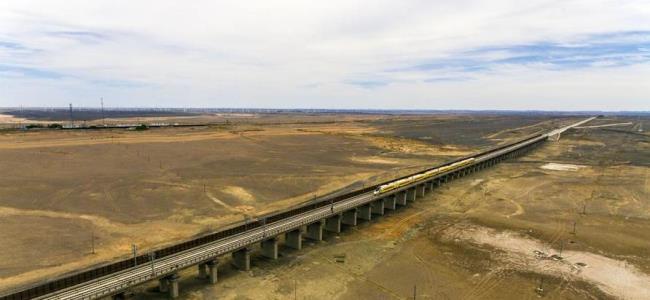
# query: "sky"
x,y
460,54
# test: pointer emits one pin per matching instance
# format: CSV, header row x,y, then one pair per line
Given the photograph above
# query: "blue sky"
x,y
554,55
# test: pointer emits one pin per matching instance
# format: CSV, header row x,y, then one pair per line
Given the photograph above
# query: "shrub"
x,y
142,127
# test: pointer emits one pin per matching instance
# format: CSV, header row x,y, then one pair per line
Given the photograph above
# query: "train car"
x,y
421,176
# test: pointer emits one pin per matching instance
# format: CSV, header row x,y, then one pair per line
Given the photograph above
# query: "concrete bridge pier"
x,y
270,248
172,285
293,239
365,212
163,285
212,270
241,259
378,207
350,217
410,194
419,190
202,270
431,185
401,198
554,138
333,224
389,202
315,231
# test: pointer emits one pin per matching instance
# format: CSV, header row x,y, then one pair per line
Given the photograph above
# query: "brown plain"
x,y
151,188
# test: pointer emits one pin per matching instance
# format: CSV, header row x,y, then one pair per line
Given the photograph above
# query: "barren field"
x,y
62,189
497,234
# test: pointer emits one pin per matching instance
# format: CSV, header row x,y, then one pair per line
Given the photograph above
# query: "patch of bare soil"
x,y
239,192
561,167
614,277
402,145
375,160
10,119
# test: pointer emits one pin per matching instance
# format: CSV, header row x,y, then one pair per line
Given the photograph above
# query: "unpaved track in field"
x,y
96,220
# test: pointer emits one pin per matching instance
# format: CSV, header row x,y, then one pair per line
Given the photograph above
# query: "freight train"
x,y
420,176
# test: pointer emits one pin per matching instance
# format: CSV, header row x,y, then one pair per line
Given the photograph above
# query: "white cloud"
x,y
306,53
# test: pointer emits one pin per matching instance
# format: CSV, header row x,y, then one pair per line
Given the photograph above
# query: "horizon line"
x,y
262,109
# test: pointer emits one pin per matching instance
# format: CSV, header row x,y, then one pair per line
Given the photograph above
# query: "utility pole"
x,y
264,227
574,228
415,291
134,248
71,120
540,288
152,256
92,242
103,117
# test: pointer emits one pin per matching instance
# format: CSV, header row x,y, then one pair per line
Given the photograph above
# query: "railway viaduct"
x,y
312,221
